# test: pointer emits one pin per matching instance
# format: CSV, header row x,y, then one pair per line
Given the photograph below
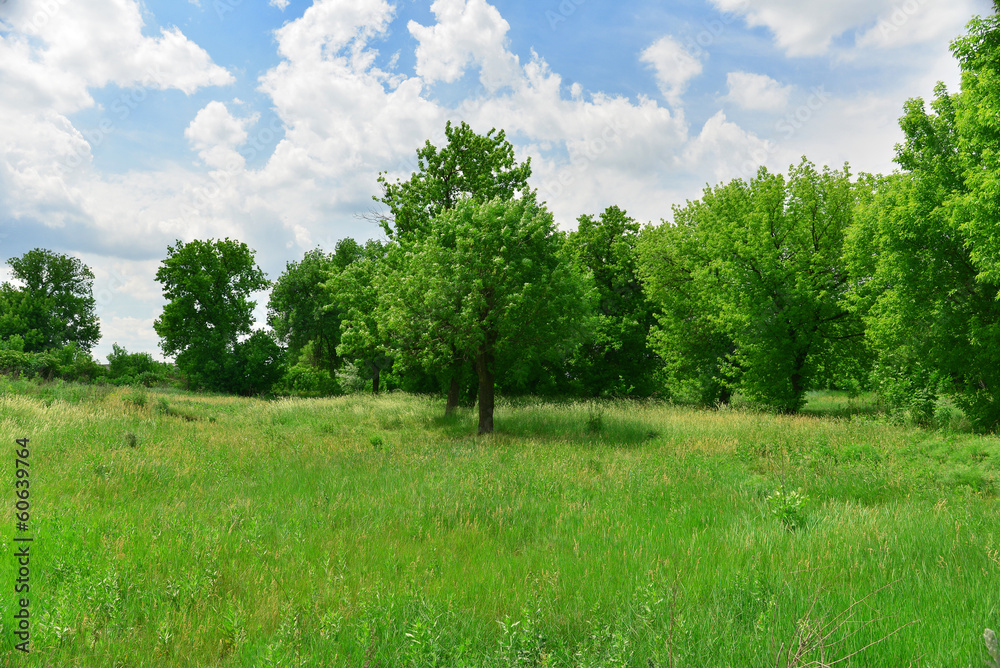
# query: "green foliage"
x,y
354,292
305,380
788,506
480,167
751,284
304,315
617,359
55,306
125,368
207,285
255,365
68,362
923,254
493,280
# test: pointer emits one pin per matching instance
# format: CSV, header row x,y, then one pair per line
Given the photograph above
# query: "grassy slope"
x,y
340,531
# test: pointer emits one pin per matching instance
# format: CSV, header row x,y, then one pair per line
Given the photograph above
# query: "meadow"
x,y
197,530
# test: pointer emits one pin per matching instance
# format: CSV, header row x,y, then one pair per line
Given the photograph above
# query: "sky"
x,y
126,126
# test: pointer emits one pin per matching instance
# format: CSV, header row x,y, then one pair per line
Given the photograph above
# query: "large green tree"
x,y
924,254
54,306
617,359
491,279
469,166
208,287
765,280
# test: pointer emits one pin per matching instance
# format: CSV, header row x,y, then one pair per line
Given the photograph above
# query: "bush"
x,y
68,363
125,368
308,381
255,365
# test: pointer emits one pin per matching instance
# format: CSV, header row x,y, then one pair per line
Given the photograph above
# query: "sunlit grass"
x,y
230,531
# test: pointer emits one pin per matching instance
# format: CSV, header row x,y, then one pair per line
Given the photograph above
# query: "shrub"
x,y
305,380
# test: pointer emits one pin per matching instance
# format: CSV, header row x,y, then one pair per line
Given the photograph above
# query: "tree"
x,y
617,360
765,279
923,254
491,279
303,314
469,166
255,365
54,307
694,347
208,285
352,292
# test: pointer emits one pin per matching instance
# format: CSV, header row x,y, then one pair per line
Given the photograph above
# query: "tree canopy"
x,y
761,280
208,285
469,165
924,250
616,359
492,280
55,306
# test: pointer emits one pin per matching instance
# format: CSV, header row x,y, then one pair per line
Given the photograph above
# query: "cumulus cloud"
x,y
674,67
810,30
757,91
215,133
467,31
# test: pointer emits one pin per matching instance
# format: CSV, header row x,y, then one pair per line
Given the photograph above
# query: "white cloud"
x,y
467,31
809,29
215,133
50,58
280,4
674,67
726,150
757,91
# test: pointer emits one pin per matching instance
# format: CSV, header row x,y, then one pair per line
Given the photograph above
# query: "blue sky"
x,y
125,126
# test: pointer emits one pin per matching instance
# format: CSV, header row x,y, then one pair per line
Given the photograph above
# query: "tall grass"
x,y
373,531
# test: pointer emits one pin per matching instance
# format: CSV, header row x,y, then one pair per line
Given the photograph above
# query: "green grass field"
x,y
174,529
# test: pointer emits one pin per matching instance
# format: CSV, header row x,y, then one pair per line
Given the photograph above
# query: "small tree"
x,y
492,279
469,167
617,360
352,291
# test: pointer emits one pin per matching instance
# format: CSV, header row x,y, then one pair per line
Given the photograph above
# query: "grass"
x,y
176,529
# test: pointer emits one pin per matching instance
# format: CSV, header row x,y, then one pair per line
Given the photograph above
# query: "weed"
x,y
137,398
789,507
131,440
595,420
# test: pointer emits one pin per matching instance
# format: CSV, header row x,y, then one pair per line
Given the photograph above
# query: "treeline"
x,y
767,287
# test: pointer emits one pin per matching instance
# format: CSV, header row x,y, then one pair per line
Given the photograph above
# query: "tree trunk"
x,y
453,387
375,374
484,369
